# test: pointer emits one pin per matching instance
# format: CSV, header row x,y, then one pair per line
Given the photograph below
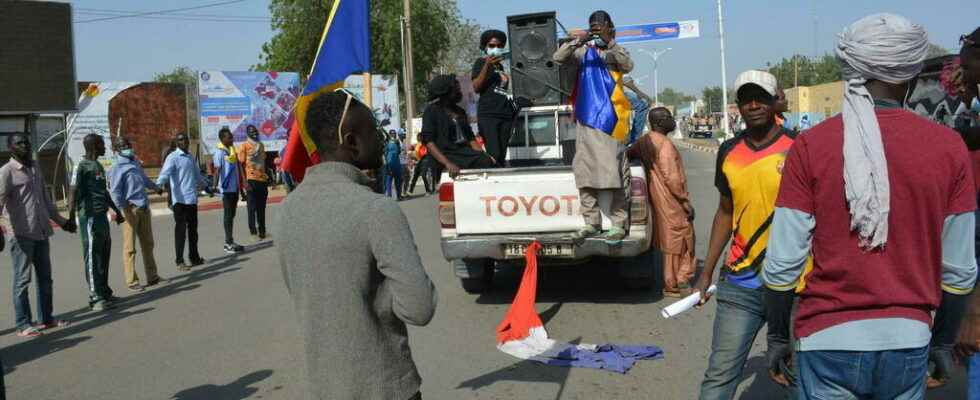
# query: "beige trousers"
x,y
138,224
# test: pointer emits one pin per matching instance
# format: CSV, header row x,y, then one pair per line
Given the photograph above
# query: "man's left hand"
x,y
968,340
777,354
119,218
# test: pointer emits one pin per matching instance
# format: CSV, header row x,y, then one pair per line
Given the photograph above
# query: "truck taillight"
x,y
639,206
447,205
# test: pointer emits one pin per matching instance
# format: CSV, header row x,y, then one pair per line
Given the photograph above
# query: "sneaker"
x,y
101,305
229,249
615,235
136,288
153,282
29,332
58,323
182,267
197,262
255,237
586,232
264,236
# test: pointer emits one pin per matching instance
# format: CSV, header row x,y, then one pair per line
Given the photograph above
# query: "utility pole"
x,y
655,54
409,68
796,70
724,78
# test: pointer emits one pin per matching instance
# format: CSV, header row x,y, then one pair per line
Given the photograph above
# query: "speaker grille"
x,y
37,58
533,42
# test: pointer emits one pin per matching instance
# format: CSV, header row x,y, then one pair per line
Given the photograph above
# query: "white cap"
x,y
761,79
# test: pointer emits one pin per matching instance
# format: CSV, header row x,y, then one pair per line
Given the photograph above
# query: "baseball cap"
x,y
761,79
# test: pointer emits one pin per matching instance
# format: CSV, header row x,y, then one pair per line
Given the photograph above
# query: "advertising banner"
x,y
384,98
658,31
239,99
93,117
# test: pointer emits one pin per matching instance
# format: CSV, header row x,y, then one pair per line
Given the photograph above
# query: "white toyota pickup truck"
x,y
489,216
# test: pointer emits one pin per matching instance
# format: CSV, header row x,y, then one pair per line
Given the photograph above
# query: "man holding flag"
x,y
602,112
348,256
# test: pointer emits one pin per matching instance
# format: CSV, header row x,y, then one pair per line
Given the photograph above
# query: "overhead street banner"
x,y
659,31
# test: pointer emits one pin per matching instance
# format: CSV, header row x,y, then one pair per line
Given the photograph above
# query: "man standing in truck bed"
x,y
603,123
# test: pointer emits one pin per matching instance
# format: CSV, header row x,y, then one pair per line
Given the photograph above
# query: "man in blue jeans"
x,y
889,238
26,210
747,176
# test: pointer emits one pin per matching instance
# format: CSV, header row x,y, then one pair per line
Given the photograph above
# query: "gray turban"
x,y
888,48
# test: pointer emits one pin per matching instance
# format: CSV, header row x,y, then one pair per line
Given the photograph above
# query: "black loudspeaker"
x,y
533,40
37,58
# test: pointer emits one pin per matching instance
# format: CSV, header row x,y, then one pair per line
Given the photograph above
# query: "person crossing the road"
x,y
89,197
227,179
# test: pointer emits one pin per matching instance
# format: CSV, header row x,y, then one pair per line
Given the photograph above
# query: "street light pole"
x,y
656,65
724,79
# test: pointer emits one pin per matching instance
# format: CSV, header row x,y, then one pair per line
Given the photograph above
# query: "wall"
x,y
825,99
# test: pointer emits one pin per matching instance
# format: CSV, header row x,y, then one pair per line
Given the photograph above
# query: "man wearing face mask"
x,y
495,113
257,182
128,184
599,164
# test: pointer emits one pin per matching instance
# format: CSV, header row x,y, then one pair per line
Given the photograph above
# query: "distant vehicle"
x,y
700,132
489,216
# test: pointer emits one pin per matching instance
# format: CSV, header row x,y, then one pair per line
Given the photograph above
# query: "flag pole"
x,y
368,95
409,70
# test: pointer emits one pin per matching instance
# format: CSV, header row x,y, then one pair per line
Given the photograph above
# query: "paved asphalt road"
x,y
226,330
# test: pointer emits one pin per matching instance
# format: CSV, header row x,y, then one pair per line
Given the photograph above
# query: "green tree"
x,y
298,23
712,98
936,50
804,71
183,75
671,97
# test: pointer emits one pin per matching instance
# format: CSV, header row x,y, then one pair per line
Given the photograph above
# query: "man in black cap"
x,y
446,130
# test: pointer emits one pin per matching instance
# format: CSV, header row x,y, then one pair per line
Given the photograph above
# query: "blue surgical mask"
x,y
496,52
128,153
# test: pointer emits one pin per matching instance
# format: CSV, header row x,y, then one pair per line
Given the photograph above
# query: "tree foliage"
x,y
800,70
675,98
298,25
184,75
712,98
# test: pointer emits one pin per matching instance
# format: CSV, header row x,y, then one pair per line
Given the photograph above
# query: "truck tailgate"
x,y
517,201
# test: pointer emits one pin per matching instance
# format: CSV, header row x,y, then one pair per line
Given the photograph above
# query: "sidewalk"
x,y
703,145
158,204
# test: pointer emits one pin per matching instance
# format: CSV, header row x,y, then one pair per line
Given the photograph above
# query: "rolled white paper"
x,y
684,304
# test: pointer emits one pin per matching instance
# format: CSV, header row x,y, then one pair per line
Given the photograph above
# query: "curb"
x,y
211,206
695,147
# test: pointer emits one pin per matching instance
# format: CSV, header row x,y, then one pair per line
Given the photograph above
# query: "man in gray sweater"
x,y
350,264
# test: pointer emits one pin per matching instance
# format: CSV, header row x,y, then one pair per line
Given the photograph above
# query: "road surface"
x,y
227,330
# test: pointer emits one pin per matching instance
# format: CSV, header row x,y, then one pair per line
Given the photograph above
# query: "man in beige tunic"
x,y
673,214
599,163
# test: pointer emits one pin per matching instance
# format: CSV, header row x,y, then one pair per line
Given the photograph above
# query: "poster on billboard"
x,y
148,114
239,99
384,98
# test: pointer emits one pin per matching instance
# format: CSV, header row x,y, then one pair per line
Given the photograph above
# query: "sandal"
x,y
58,323
29,332
672,293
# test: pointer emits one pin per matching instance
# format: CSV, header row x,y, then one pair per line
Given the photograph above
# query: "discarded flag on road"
x,y
522,334
345,48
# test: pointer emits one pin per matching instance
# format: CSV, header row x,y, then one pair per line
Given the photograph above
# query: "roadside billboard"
x,y
238,99
148,113
384,98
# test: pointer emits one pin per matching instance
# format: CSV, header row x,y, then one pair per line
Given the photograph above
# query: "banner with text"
x,y
658,31
384,98
239,99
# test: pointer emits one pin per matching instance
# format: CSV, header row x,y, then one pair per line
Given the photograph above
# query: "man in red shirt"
x,y
883,200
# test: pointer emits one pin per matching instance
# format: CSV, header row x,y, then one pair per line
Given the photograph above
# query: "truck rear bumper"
x,y
492,246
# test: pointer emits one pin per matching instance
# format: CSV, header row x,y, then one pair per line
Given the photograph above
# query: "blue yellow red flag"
x,y
600,102
345,49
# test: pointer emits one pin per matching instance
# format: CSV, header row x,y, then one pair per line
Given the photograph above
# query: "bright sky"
x,y
756,31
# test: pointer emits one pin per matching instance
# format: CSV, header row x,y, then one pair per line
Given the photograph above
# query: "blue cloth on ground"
x,y
610,357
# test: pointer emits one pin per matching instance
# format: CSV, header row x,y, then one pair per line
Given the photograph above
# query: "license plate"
x,y
518,250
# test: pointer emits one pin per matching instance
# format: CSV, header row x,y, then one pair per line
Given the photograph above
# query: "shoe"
x,y
113,299
230,248
585,232
197,262
153,282
255,238
58,323
136,288
264,236
182,267
615,235
101,305
29,332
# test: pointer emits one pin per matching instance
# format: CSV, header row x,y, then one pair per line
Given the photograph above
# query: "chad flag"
x,y
600,102
345,49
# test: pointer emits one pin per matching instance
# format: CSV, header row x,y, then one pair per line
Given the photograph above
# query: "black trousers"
x,y
257,198
185,216
230,202
423,169
496,134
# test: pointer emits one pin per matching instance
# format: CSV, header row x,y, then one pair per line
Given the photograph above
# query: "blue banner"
x,y
659,31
